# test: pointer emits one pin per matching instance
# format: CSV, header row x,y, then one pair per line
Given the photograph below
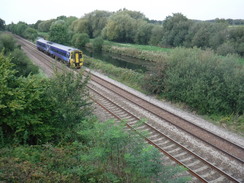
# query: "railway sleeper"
x,y
175,151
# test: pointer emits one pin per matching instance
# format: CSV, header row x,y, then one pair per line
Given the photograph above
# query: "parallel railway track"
x,y
199,167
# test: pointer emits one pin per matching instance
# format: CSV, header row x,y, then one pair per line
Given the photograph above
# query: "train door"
x,y
77,57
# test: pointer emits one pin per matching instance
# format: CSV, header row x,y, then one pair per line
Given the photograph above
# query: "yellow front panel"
x,y
77,57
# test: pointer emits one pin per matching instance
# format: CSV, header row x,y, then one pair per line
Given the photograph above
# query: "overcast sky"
x,y
30,11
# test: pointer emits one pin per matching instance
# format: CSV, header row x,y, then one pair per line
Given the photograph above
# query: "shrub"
x,y
225,49
23,64
7,42
124,157
97,43
34,110
207,82
30,34
80,40
70,100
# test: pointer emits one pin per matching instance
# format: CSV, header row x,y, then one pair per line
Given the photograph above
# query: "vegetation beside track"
x,y
202,81
48,132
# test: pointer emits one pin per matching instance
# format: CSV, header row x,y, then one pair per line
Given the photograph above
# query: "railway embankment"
x,y
197,80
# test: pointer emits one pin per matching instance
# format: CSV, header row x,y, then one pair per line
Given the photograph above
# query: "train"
x,y
71,56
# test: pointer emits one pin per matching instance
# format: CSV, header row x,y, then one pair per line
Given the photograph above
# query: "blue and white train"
x,y
71,56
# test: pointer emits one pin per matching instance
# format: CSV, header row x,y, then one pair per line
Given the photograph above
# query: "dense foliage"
x,y
47,134
2,24
189,78
36,110
125,26
205,81
22,64
106,154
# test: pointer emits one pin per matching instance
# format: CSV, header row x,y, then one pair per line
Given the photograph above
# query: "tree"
x,y
97,20
79,40
175,29
143,33
97,43
23,109
80,26
156,35
35,110
30,34
121,27
206,35
236,38
35,26
58,33
7,42
70,100
21,27
44,26
133,14
2,24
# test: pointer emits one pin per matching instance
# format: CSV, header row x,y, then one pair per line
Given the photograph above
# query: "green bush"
x,y
203,80
70,100
32,164
80,39
34,110
7,42
97,43
225,49
23,64
108,154
30,34
125,157
23,108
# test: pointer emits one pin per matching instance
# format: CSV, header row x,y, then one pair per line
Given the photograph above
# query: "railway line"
x,y
108,97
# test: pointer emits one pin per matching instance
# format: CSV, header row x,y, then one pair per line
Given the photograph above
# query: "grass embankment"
x,y
144,52
202,81
126,76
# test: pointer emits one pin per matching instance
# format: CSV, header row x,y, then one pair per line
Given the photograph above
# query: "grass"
x,y
127,76
241,60
235,26
139,47
45,35
233,123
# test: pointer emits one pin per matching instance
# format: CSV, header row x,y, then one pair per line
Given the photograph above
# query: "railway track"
x,y
198,166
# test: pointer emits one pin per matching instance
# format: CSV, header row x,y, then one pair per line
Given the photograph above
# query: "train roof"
x,y
56,45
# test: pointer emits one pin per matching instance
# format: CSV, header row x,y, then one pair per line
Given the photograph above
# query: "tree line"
x,y
125,26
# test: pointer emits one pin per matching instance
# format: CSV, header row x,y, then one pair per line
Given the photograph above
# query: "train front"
x,y
76,58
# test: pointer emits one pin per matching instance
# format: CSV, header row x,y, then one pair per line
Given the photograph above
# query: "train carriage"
x,y
71,56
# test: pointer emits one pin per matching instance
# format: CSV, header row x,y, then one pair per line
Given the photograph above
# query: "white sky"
x,y
30,11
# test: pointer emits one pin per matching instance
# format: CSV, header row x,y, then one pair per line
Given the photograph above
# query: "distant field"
x,y
43,34
139,47
235,26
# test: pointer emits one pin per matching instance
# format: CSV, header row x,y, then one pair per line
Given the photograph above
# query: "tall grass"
x,y
126,76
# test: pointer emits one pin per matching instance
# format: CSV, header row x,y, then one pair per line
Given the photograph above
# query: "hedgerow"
x,y
203,80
